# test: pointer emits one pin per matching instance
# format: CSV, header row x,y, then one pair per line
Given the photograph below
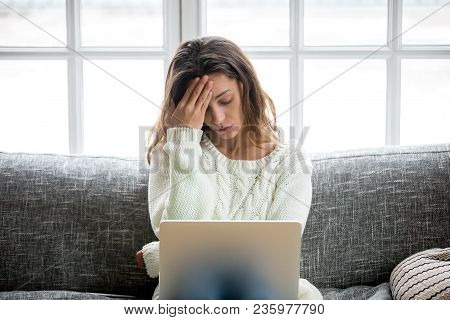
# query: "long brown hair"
x,y
206,55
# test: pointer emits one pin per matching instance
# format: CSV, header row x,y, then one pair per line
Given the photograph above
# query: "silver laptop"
x,y
217,259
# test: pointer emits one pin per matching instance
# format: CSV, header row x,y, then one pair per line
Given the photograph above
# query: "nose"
x,y
217,116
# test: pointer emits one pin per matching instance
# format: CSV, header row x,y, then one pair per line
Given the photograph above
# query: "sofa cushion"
x,y
423,276
58,295
379,292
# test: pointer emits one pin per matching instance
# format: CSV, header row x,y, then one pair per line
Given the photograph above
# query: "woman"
x,y
217,154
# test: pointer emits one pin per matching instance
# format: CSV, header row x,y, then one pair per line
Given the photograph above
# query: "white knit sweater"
x,y
190,179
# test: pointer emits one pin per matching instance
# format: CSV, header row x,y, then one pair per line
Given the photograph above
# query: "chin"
x,y
228,135
231,135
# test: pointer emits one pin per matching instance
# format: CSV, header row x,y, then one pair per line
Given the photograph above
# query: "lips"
x,y
224,129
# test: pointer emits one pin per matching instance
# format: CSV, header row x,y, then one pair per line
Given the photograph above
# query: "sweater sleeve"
x,y
293,192
178,189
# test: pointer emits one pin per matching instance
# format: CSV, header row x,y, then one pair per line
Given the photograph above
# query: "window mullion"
x,y
172,30
75,78
394,73
202,21
296,72
393,100
394,24
192,17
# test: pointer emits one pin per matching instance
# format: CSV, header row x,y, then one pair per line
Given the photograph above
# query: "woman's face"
x,y
225,108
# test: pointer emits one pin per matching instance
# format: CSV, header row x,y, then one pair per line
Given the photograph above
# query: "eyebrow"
x,y
220,94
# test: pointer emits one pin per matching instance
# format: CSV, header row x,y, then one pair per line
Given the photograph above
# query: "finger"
x,y
206,102
197,91
139,259
188,92
204,95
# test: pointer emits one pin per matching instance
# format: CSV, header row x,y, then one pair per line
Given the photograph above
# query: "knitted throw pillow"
x,y
423,276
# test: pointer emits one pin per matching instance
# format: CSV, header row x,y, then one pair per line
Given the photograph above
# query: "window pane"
x,y
48,18
435,29
33,106
349,112
345,22
425,111
122,23
274,79
250,22
113,112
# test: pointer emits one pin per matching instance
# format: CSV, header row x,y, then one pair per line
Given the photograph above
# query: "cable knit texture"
x,y
190,179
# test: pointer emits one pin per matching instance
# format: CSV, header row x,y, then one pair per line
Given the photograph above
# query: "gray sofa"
x,y
71,225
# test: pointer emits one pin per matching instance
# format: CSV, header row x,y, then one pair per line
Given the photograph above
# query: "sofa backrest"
x,y
372,208
75,222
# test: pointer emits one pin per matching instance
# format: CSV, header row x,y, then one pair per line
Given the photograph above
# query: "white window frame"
x,y
74,54
297,52
188,20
